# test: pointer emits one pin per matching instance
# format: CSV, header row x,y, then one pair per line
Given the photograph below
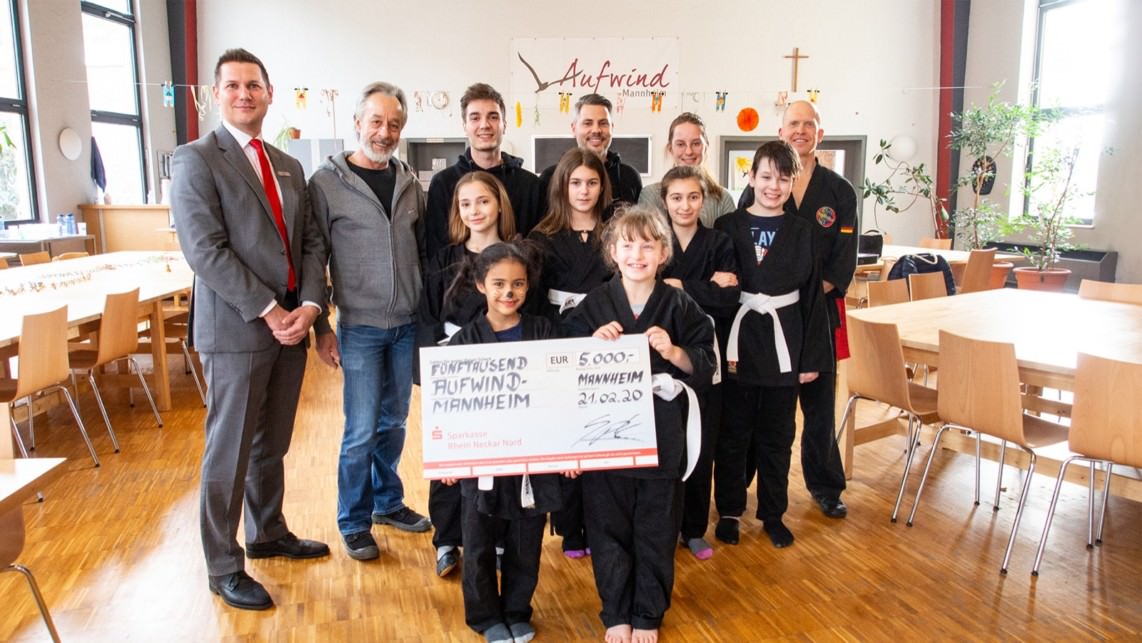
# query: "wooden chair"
x,y
926,285
117,338
3,263
176,329
979,390
876,372
1105,428
69,255
882,293
11,544
936,244
977,274
42,367
33,258
1106,291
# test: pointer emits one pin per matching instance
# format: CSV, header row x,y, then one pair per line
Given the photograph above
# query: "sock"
x,y
443,549
778,533
522,632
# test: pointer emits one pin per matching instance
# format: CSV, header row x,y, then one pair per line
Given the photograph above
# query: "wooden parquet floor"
x,y
116,551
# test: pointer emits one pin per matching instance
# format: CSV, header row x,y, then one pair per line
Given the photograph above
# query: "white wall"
x,y
1000,50
875,62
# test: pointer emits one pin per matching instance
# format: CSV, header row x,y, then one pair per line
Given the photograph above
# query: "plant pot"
x,y
294,133
999,272
1030,278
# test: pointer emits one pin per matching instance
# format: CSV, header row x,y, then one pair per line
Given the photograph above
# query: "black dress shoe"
x,y
289,546
241,591
831,506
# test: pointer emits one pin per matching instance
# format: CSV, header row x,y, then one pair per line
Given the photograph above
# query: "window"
x,y
1076,54
113,89
17,195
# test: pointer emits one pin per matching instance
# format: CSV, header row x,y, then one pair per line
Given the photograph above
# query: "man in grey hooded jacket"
x,y
370,209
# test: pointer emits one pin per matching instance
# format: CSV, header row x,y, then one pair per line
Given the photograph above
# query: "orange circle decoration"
x,y
748,119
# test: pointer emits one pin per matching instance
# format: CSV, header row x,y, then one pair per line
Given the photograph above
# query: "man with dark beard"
x,y
370,209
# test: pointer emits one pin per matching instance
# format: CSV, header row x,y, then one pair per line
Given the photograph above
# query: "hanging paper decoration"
x,y
720,102
168,94
782,99
518,115
656,101
301,97
748,119
201,97
418,98
813,95
537,112
564,102
330,96
620,103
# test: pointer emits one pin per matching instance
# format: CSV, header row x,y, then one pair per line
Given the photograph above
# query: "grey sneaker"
x,y
361,546
405,519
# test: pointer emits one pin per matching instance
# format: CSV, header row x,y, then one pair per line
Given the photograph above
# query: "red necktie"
x,y
271,189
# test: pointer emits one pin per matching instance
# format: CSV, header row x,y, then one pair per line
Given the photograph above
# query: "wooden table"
x,y
52,245
894,252
1048,330
83,284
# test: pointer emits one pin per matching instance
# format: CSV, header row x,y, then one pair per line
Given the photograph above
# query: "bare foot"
x,y
645,636
617,634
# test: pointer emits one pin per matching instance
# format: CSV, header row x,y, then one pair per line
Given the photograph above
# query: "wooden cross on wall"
x,y
796,57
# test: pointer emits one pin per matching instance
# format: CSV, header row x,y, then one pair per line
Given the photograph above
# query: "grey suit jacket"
x,y
228,235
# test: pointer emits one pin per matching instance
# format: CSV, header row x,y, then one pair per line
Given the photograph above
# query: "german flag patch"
x,y
846,229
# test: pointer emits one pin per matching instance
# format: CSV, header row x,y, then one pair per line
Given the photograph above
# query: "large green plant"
x,y
989,132
9,198
1050,189
912,182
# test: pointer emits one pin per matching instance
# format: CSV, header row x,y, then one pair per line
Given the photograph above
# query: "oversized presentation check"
x,y
537,407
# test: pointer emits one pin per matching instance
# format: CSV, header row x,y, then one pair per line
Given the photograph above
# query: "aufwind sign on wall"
x,y
632,68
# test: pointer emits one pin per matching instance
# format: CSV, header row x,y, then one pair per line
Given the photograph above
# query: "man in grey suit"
x,y
244,224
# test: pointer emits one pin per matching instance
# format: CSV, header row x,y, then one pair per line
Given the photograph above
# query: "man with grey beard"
x,y
370,209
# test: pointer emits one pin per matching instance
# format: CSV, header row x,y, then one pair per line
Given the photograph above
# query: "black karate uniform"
x,y
571,264
522,186
830,204
709,251
632,514
497,516
759,400
626,184
443,500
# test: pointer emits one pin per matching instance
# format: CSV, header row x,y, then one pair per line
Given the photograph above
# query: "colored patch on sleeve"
x,y
848,229
826,217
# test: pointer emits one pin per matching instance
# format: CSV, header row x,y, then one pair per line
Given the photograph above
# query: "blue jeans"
x,y
377,366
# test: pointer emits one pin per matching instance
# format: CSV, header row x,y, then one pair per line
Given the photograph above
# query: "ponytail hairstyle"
x,y
637,222
558,216
505,221
713,191
475,269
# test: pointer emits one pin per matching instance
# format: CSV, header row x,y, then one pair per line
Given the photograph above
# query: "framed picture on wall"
x,y
842,154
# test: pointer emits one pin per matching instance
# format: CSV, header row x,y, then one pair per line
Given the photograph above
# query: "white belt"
x,y
668,388
450,329
526,495
565,300
765,305
717,378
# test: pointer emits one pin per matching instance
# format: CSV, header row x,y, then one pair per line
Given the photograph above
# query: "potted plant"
x,y
285,134
1049,189
987,133
904,180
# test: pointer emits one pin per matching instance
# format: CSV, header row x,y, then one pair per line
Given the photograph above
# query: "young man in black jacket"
x,y
482,108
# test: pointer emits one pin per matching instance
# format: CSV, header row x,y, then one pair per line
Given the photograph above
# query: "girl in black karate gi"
x,y
572,266
705,268
514,510
632,515
780,338
481,216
